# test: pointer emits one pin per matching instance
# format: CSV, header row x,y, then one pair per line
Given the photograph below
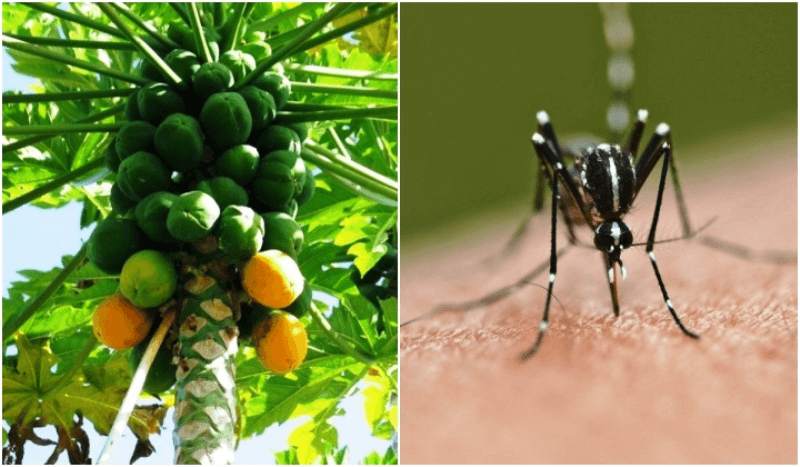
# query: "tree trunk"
x,y
205,406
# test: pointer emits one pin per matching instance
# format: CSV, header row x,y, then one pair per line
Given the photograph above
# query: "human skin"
x,y
602,389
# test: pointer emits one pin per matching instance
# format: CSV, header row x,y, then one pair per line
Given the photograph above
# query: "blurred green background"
x,y
473,77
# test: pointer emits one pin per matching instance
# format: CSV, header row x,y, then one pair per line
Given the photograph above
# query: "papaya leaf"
x,y
376,399
312,440
285,396
27,389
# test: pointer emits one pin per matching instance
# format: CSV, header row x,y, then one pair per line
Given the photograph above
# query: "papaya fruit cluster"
x,y
208,161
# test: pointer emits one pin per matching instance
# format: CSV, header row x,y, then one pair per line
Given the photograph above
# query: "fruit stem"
x,y
199,35
61,128
75,18
16,44
338,168
137,382
164,40
349,90
383,145
143,47
295,106
347,28
289,48
389,113
73,43
33,305
352,166
42,190
235,34
339,72
326,328
39,138
65,96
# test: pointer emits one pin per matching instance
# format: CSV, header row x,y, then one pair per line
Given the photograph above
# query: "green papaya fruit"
x,y
307,192
184,63
162,374
296,164
134,137
157,101
277,138
257,49
283,233
225,192
273,185
240,231
151,216
252,314
143,173
192,216
291,208
132,107
275,84
254,36
211,78
149,71
301,304
180,33
301,128
238,163
226,120
111,156
120,203
179,142
261,105
238,62
113,242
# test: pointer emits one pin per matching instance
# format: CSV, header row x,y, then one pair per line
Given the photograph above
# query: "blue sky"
x,y
36,238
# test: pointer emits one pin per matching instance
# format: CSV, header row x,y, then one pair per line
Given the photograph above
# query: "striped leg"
x,y
665,151
547,153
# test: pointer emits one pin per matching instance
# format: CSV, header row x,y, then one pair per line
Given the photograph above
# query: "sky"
x,y
36,238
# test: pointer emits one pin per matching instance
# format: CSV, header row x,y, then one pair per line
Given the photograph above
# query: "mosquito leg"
x,y
632,146
665,151
491,298
542,150
612,283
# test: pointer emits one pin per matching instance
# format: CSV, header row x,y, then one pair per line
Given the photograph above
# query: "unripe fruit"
x,y
148,279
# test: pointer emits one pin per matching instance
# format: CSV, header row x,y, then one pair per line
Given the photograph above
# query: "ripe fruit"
x,y
148,279
272,278
119,324
281,342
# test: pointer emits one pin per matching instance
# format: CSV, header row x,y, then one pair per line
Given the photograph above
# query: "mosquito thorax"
x,y
608,178
613,236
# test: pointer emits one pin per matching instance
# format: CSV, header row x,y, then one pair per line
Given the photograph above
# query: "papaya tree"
x,y
237,164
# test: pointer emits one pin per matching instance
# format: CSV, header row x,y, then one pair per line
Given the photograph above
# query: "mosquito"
x,y
597,188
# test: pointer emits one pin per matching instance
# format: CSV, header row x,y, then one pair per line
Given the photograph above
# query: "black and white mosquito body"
x,y
601,184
